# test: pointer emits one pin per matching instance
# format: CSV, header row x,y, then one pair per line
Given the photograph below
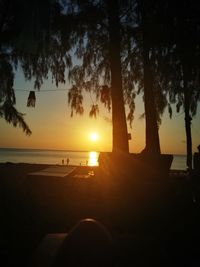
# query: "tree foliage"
x,y
70,39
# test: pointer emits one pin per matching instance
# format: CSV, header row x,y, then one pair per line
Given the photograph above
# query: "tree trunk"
x,y
187,122
120,135
188,139
152,136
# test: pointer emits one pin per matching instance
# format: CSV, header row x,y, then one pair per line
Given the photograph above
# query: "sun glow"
x,y
94,136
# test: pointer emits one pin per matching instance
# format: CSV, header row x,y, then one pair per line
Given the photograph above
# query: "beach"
x,y
149,226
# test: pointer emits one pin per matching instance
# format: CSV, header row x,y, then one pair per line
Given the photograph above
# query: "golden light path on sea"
x,y
93,158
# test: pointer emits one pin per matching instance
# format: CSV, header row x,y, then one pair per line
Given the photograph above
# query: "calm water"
x,y
48,156
56,157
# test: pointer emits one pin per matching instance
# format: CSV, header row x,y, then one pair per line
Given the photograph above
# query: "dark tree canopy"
x,y
153,50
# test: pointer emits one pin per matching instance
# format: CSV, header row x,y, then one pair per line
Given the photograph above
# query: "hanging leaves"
x,y
31,99
94,111
170,110
178,106
12,116
75,99
130,116
105,96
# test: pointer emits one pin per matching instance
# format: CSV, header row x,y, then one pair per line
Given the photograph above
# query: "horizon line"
x,y
73,150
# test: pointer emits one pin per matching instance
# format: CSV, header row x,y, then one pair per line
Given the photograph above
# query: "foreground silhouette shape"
x,y
88,243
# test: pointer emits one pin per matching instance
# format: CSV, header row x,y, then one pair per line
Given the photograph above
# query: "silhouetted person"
x,y
196,160
89,243
67,161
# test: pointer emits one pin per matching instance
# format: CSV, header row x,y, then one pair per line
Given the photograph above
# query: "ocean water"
x,y
58,156
49,156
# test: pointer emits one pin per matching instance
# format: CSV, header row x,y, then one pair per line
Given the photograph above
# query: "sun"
x,y
94,136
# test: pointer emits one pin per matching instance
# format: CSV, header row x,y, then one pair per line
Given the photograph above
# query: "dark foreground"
x,y
152,224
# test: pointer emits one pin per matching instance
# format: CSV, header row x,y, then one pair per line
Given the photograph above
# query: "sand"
x,y
150,225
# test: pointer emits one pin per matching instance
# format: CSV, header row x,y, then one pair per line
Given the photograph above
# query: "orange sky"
x,y
53,128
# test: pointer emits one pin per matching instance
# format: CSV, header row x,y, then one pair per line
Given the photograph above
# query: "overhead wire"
x,y
38,91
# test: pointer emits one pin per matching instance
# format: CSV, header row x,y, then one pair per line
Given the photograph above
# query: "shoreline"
x,y
24,168
56,157
74,165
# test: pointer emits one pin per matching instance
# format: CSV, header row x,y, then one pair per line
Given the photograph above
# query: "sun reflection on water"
x,y
93,158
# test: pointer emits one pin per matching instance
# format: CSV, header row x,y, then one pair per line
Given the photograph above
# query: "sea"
x,y
60,157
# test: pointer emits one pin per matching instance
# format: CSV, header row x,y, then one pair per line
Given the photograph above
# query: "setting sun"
x,y
94,137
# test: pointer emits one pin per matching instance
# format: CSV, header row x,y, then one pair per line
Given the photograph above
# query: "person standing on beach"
x,y
67,161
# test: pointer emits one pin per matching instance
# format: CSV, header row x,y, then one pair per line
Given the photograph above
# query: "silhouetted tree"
x,y
183,62
169,42
118,46
98,49
120,135
86,27
26,40
152,137
145,59
7,64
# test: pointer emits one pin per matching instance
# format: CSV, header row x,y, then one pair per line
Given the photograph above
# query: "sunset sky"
x,y
53,128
